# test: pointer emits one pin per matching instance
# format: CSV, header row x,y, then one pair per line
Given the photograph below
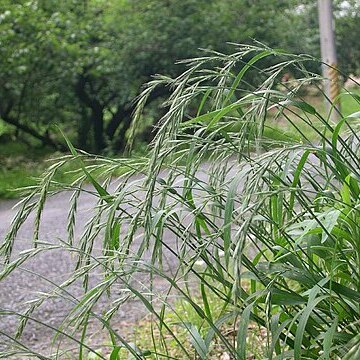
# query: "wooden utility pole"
x,y
328,50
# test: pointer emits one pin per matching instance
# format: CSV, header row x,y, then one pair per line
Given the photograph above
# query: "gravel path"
x,y
23,285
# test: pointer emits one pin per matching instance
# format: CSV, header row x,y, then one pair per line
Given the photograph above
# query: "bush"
x,y
265,227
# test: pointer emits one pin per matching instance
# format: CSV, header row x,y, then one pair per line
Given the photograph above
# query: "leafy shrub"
x,y
264,226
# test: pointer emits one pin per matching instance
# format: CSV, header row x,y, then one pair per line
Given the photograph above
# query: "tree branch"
x,y
45,139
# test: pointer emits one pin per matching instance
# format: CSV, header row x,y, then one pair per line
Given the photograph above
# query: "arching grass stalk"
x,y
250,193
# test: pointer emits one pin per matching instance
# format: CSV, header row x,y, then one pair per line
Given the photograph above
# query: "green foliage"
x,y
347,18
266,230
80,64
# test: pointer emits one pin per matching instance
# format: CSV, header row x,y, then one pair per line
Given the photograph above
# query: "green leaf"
x,y
281,297
328,339
304,106
115,353
197,341
355,115
212,117
115,236
296,179
202,102
313,301
353,349
205,301
101,191
243,332
243,71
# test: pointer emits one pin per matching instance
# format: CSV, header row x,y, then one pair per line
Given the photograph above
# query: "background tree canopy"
x,y
80,63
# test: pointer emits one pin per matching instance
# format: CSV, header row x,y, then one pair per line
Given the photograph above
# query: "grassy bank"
x,y
21,165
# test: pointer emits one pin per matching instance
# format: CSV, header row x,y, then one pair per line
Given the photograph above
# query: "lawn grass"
x,y
19,165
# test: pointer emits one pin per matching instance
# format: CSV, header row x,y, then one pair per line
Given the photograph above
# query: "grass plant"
x,y
262,233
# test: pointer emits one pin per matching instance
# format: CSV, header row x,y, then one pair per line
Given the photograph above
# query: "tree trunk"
x,y
97,119
97,112
83,130
123,112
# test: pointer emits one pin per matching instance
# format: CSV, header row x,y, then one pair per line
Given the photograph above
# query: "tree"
x,y
80,64
30,62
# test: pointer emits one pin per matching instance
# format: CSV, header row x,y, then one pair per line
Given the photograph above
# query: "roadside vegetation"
x,y
227,190
264,231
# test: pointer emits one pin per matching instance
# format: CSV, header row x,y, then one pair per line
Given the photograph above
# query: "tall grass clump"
x,y
245,211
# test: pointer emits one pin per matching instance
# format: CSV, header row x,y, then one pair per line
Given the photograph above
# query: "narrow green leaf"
x,y
243,71
304,106
197,341
296,179
243,332
311,305
205,301
115,353
328,339
101,191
